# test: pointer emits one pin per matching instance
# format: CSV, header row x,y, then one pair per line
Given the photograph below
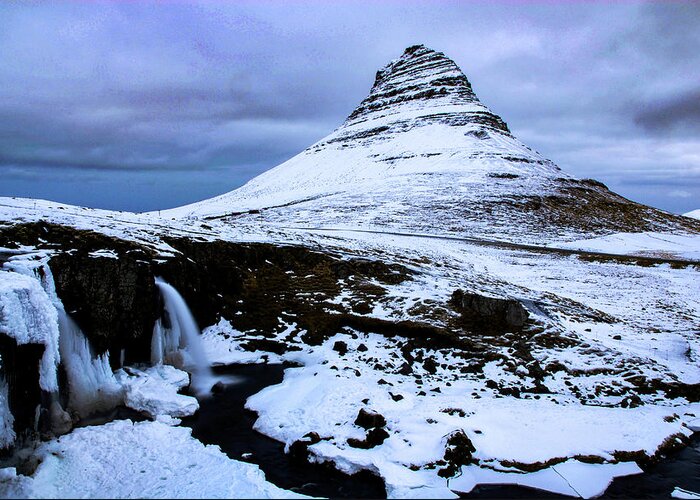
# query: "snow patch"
x,y
123,459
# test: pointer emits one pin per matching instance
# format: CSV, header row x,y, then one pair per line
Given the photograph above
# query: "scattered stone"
x,y
362,348
374,437
369,419
340,347
458,452
406,369
396,397
430,366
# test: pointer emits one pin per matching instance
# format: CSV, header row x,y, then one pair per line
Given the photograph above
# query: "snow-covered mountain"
x,y
422,153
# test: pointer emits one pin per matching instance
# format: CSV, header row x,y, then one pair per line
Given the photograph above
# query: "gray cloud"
x,y
680,113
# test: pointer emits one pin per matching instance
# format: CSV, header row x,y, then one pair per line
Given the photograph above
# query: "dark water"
x,y
681,469
222,420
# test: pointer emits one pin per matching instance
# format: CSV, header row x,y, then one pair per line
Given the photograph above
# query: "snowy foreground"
x,y
123,459
619,320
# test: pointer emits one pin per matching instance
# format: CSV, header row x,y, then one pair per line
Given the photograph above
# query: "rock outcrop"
x,y
489,313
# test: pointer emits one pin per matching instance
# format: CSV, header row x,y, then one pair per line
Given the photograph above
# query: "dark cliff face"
x,y
113,300
256,286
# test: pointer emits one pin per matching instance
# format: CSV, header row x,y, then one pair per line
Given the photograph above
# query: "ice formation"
x,y
31,312
28,316
7,432
91,383
180,337
154,391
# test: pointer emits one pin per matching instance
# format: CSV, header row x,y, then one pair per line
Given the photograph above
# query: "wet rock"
x,y
489,313
299,450
369,419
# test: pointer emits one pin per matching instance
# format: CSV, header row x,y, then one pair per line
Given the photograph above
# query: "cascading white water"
x,y
181,337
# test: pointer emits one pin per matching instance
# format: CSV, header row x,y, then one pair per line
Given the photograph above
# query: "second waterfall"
x,y
176,340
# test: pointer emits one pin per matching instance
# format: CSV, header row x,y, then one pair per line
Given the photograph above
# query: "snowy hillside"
x,y
421,152
695,214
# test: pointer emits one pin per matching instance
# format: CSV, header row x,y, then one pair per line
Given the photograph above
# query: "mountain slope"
x,y
421,152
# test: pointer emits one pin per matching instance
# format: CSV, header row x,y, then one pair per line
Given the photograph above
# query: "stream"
x,y
222,420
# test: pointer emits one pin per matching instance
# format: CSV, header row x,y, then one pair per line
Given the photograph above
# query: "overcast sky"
x,y
141,106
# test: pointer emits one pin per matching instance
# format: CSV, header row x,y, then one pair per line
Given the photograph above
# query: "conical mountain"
x,y
421,153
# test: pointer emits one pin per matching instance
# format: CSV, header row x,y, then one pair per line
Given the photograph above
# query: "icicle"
x,y
7,420
91,383
183,332
157,341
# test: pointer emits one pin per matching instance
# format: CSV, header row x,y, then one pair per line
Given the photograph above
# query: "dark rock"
x,y
405,369
114,301
299,450
374,437
396,397
218,388
362,348
489,313
20,368
340,347
369,419
430,366
458,452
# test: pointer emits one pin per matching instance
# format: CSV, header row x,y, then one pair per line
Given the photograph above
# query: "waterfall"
x,y
177,341
91,383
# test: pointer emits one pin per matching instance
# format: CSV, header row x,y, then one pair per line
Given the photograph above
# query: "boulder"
x,y
489,313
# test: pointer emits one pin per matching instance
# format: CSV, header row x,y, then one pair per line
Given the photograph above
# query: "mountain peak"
x,y
422,78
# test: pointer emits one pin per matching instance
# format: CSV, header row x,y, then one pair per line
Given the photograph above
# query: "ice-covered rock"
x,y
154,391
28,315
